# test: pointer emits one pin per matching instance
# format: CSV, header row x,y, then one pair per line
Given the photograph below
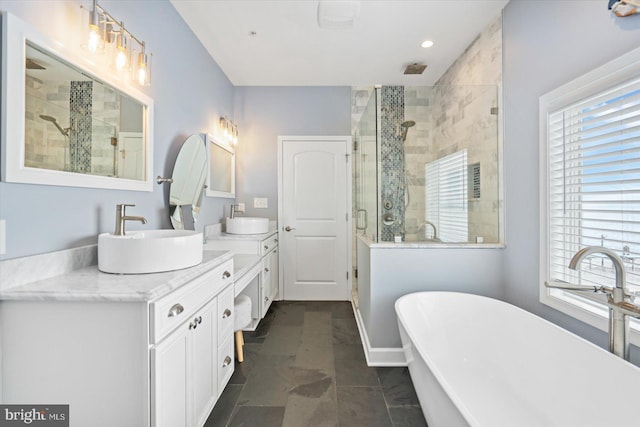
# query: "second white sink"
x,y
247,225
149,251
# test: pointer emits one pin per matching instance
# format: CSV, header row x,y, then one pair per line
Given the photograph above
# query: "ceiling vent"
x,y
338,15
415,68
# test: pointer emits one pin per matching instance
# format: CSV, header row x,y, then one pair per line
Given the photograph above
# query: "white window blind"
x,y
594,184
446,196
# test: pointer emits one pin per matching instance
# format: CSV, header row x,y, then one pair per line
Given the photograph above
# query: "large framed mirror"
x,y
221,179
189,175
66,123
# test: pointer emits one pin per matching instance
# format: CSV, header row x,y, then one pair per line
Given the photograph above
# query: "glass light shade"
x,y
143,74
121,51
94,39
121,59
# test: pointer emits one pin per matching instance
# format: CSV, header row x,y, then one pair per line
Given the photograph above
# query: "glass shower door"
x,y
366,194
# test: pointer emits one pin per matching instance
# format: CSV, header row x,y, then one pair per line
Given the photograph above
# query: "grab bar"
x,y
365,219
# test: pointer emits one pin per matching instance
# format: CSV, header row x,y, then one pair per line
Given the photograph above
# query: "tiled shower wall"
x,y
455,114
391,212
465,104
93,113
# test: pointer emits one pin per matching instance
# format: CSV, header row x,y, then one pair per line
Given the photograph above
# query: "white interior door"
x,y
314,204
131,155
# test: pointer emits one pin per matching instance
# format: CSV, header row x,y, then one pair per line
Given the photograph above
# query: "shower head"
x,y
48,118
405,127
53,120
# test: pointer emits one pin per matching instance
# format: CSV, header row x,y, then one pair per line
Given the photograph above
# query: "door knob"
x,y
287,228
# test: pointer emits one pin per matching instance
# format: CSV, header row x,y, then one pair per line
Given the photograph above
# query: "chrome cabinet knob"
x,y
226,275
266,248
266,270
287,228
175,310
226,313
227,362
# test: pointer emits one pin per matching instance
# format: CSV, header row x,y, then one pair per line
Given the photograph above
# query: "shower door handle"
x,y
364,217
287,228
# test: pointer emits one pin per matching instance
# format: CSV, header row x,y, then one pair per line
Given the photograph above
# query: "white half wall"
x,y
393,272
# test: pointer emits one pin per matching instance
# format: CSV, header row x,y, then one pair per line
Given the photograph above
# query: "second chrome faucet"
x,y
122,217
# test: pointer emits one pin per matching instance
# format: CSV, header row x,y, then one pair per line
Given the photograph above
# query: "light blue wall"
x,y
546,44
263,113
189,91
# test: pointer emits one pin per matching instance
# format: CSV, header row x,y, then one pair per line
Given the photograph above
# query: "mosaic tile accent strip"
x,y
391,220
80,106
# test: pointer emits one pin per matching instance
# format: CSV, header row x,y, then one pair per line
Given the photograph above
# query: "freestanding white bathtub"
x,y
477,361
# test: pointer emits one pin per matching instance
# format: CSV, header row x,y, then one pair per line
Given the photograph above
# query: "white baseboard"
x,y
378,356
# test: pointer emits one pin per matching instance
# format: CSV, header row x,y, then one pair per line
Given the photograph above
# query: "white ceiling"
x,y
290,49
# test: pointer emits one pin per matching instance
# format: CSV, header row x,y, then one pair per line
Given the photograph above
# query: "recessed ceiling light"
x,y
334,14
252,33
427,43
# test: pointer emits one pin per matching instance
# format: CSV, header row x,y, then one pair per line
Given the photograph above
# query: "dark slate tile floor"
x,y
304,367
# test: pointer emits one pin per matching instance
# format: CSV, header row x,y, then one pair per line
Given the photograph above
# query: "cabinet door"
x,y
205,350
273,270
170,380
269,282
265,285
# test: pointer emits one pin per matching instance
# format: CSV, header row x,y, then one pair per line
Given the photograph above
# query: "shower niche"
x,y
426,166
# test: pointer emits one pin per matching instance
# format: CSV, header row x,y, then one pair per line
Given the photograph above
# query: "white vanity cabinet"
x,y
191,365
266,246
142,350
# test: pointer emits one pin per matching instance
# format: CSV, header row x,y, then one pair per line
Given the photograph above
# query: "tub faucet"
x,y
435,231
619,307
121,218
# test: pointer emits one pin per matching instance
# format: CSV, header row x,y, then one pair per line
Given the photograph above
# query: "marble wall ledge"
x,y
89,284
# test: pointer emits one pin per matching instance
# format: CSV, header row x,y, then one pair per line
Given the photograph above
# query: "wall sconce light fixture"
x,y
230,130
106,34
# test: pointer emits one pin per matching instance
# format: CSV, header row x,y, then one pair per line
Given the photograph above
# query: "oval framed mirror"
x,y
189,174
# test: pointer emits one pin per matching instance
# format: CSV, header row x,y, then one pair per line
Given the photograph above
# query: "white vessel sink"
x,y
149,251
247,225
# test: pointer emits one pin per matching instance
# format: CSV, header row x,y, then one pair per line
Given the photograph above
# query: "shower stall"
x,y
426,164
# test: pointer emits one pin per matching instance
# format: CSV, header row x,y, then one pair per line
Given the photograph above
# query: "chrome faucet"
x,y
234,210
435,231
617,298
121,218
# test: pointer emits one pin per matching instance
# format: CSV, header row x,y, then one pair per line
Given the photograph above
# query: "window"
x,y
446,196
591,191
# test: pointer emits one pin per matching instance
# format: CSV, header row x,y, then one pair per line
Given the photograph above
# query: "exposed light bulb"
x,y
121,49
94,38
142,68
142,75
121,59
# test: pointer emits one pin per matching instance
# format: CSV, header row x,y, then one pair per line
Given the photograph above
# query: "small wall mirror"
x,y
65,126
189,175
221,179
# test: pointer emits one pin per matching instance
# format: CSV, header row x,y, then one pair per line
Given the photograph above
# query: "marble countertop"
x,y
227,236
243,263
89,284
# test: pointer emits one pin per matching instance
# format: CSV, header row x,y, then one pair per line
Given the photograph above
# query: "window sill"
x,y
587,311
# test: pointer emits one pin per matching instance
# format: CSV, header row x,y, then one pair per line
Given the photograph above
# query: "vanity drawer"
x,y
225,363
226,316
267,245
171,310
